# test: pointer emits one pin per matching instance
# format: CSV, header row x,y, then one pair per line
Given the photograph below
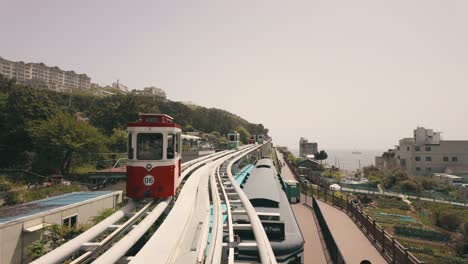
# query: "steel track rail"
x,y
165,244
263,243
219,189
106,242
231,192
63,252
118,250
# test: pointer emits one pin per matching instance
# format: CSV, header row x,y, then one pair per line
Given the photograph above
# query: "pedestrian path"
x,y
352,243
314,252
313,249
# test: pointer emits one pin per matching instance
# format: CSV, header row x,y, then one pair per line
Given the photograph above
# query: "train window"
x,y
232,137
149,146
177,143
170,146
130,146
152,119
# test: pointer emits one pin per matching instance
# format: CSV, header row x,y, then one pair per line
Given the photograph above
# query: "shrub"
x,y
410,186
449,220
37,249
421,233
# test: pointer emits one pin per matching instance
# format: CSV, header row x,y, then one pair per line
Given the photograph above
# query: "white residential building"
x,y
39,75
151,91
426,153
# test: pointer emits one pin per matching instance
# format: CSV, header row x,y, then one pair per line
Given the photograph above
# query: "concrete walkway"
x,y
353,244
314,252
313,249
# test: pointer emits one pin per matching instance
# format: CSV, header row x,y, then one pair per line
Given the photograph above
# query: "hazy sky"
x,y
347,74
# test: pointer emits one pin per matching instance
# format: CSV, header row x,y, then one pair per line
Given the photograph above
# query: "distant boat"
x,y
356,152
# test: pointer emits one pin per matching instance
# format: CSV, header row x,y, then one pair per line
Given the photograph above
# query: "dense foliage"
x,y
50,132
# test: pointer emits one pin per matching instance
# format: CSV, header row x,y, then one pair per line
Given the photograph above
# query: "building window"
x,y
446,159
418,169
418,158
407,148
428,159
428,169
454,159
417,148
398,147
428,148
70,221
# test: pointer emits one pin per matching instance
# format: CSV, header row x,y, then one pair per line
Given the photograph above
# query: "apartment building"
x,y
151,91
426,153
387,160
307,148
39,75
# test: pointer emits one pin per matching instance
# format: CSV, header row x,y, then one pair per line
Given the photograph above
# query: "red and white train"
x,y
154,157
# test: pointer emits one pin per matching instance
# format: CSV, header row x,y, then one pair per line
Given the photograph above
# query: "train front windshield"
x,y
150,146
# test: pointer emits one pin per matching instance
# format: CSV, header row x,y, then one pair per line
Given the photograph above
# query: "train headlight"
x,y
148,180
148,166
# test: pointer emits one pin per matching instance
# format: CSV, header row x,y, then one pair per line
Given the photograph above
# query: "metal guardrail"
x,y
390,248
332,247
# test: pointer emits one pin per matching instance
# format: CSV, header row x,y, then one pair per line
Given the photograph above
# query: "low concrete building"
x,y
22,224
427,153
446,178
309,167
387,160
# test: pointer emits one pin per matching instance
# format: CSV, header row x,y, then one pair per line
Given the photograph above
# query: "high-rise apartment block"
x,y
39,75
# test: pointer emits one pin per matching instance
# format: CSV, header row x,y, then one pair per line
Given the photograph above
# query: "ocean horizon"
x,y
346,160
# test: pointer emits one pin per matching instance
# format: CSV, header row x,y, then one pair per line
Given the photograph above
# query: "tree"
x,y
61,137
18,108
115,112
188,128
321,155
410,186
393,177
369,171
118,140
244,134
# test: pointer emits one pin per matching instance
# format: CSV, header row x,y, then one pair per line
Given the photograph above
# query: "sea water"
x,y
346,160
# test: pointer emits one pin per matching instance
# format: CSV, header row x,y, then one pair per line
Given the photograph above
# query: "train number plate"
x,y
148,180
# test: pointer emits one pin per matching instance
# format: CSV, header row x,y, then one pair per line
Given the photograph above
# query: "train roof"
x,y
263,183
154,120
261,186
264,163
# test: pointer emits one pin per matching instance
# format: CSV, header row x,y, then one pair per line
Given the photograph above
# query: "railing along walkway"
x,y
386,244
